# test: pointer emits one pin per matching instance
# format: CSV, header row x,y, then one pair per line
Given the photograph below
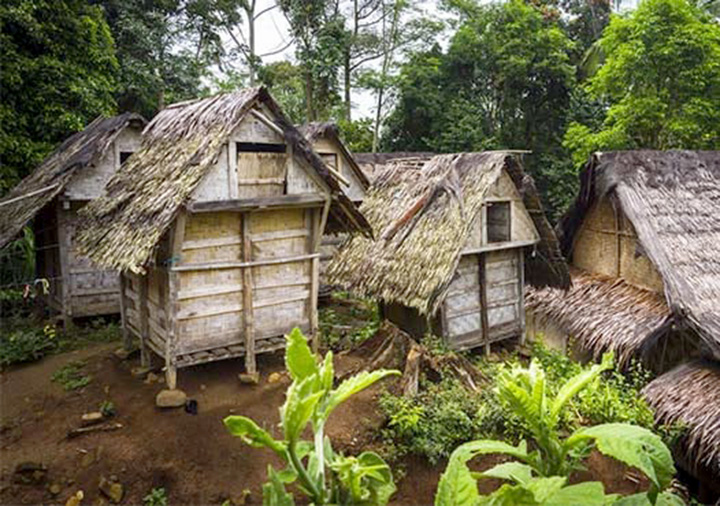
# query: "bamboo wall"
x,y
607,244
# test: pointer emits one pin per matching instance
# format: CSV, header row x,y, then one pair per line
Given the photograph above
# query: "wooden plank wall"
x,y
503,296
463,306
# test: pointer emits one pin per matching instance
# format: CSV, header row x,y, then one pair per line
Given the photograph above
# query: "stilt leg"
x,y
171,377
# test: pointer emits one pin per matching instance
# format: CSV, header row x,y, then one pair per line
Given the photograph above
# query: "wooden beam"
x,y
483,304
321,225
248,316
173,304
521,298
144,320
500,246
235,265
268,122
28,195
65,275
127,337
252,204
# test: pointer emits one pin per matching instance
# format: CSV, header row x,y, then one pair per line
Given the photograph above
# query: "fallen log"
x,y
107,427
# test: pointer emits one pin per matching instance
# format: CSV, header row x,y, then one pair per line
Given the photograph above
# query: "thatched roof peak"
x,y
179,147
422,214
50,178
316,130
672,199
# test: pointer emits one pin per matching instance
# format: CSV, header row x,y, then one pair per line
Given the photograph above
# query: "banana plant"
x,y
540,476
325,476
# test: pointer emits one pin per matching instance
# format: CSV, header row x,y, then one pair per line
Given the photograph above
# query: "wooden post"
x,y
63,251
248,318
314,288
521,298
178,236
483,303
143,313
127,338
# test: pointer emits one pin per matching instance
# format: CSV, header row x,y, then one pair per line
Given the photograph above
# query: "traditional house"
x,y
643,238
215,224
51,196
325,140
456,237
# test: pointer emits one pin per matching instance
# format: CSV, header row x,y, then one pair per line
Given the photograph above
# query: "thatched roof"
x,y
672,199
603,314
179,146
690,394
374,163
50,178
422,215
328,130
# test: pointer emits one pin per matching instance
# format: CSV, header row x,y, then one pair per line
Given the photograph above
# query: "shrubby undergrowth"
x,y
444,414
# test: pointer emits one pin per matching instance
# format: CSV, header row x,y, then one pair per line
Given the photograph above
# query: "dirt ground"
x,y
192,456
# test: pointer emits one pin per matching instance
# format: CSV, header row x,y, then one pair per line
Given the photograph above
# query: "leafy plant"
x,y
107,408
433,422
310,399
540,476
71,377
26,344
349,323
156,497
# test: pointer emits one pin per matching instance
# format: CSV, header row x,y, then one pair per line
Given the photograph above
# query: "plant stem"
x,y
320,451
303,475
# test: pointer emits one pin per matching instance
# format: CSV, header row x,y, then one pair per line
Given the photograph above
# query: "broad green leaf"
x,y
252,434
635,446
327,371
274,493
457,485
640,499
507,495
669,499
354,385
577,383
379,480
511,471
299,359
545,488
299,407
590,493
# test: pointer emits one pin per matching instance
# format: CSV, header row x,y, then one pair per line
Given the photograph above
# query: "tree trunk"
x,y
348,103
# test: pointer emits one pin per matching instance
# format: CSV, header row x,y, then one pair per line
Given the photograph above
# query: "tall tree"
x,y
163,47
319,31
58,70
660,81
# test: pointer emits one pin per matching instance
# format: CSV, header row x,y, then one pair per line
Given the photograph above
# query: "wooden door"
x,y
463,306
502,292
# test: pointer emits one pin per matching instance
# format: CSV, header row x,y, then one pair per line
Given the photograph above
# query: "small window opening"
x,y
124,155
498,222
330,159
260,147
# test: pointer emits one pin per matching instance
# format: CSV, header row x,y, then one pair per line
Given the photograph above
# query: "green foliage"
x,y
432,423
17,259
71,376
58,73
660,81
285,82
156,497
107,408
357,135
504,82
540,476
349,321
26,344
310,399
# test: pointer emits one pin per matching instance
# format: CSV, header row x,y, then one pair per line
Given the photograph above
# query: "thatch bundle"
x,y
672,199
422,215
690,394
179,147
603,314
50,178
373,164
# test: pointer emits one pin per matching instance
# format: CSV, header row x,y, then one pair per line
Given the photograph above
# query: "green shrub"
x,y
433,422
71,377
539,477
26,344
346,325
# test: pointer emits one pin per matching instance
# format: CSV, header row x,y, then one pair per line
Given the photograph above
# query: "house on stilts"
x,y
643,241
50,198
456,237
215,225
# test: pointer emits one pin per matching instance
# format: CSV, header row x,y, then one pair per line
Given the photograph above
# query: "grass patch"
x,y
71,376
348,321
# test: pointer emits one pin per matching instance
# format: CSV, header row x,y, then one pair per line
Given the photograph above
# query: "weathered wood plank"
x,y
248,316
234,265
249,204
